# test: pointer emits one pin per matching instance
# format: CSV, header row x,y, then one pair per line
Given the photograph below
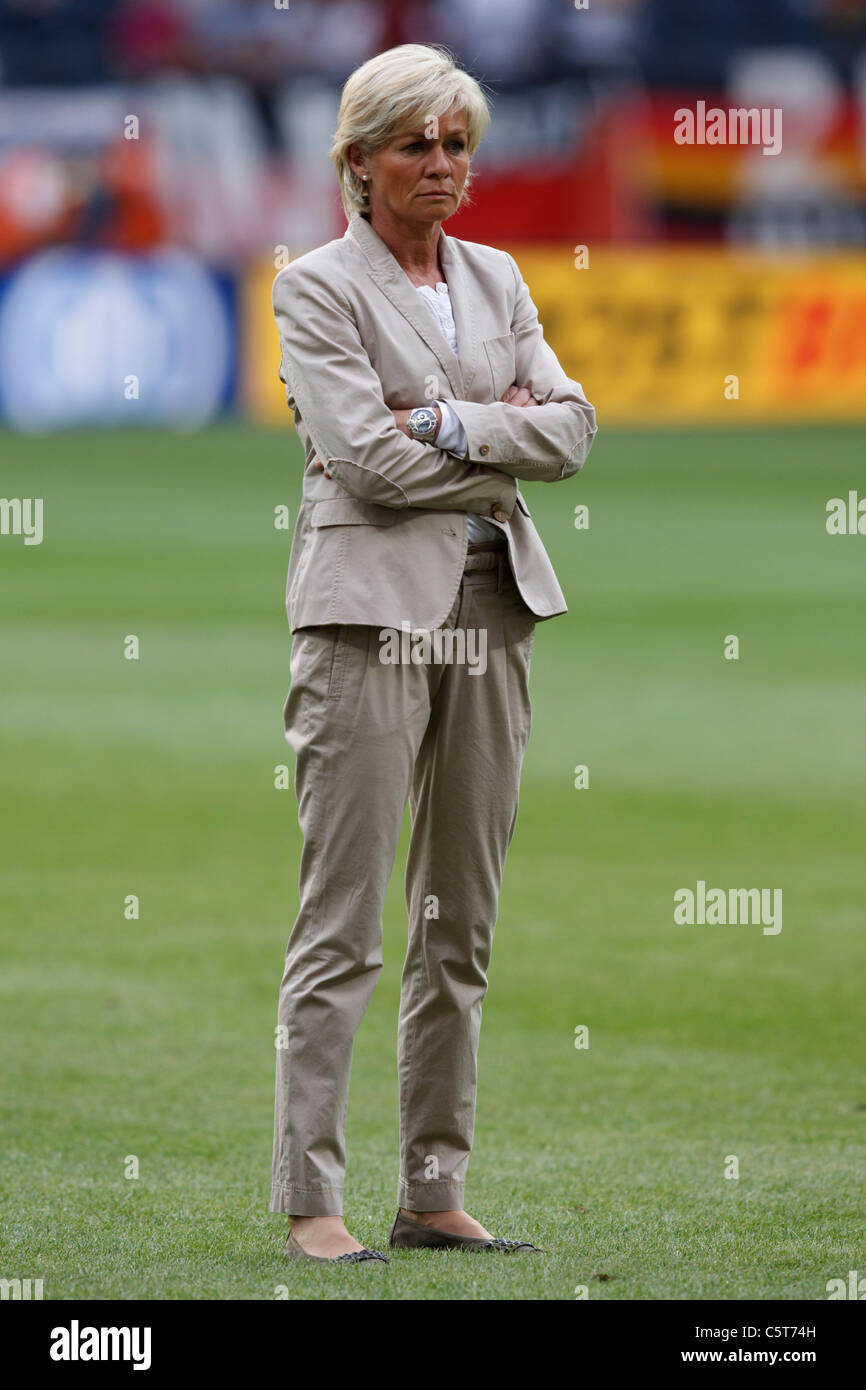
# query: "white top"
x,y
452,435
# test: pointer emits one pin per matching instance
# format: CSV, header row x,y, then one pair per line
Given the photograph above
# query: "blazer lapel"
x,y
465,322
398,288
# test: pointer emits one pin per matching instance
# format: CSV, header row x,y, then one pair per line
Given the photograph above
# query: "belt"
x,y
488,555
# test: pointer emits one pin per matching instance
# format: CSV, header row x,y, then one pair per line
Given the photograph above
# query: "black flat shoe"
x,y
351,1257
407,1234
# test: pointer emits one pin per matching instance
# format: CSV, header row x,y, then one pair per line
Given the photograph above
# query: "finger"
x,y
517,395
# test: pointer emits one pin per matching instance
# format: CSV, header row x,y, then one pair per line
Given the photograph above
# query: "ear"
x,y
356,160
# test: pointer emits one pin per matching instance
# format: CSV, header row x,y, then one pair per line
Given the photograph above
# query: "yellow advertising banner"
x,y
262,394
673,335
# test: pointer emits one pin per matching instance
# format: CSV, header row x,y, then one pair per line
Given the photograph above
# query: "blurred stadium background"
x,y
660,271
704,259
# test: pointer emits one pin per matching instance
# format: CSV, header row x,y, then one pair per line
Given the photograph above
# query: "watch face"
x,y
422,421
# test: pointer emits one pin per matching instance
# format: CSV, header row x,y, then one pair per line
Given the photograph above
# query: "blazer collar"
x,y
393,281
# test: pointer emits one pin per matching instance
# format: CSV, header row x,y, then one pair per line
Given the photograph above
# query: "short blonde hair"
x,y
412,79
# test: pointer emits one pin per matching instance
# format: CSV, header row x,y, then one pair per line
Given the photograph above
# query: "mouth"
x,y
436,193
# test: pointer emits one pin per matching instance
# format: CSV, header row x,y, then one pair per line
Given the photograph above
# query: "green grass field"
x,y
154,1037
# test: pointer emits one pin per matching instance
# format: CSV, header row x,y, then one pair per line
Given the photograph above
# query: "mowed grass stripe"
x,y
155,1037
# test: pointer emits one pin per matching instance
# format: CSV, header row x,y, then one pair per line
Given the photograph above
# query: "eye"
x,y
415,145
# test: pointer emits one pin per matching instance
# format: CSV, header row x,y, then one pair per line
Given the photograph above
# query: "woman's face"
x,y
418,175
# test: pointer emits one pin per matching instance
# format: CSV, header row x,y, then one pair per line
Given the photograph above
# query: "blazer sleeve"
x,y
544,442
331,382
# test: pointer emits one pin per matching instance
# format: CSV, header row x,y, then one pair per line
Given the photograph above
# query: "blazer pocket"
x,y
501,357
346,511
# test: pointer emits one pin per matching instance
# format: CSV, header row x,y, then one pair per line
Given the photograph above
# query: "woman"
x,y
423,390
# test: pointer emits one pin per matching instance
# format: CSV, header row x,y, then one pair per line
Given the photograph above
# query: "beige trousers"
x,y
369,733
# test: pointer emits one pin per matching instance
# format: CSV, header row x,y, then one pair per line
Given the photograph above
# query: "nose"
x,y
436,162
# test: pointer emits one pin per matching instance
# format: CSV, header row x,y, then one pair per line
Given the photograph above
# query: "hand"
x,y
317,462
518,395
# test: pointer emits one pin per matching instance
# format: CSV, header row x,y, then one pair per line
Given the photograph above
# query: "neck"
x,y
414,245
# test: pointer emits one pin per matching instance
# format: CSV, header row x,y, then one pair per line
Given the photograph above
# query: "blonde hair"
x,y
412,79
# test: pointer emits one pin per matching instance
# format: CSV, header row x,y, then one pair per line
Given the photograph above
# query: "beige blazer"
x,y
384,540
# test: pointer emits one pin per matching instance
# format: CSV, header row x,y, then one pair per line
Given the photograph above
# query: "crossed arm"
x,y
365,446
515,395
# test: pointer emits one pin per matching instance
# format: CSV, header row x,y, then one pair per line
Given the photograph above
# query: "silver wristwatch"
x,y
423,424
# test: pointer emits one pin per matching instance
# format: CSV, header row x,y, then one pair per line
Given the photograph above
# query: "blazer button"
x,y
484,450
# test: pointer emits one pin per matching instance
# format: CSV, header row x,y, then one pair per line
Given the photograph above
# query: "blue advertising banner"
x,y
98,338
